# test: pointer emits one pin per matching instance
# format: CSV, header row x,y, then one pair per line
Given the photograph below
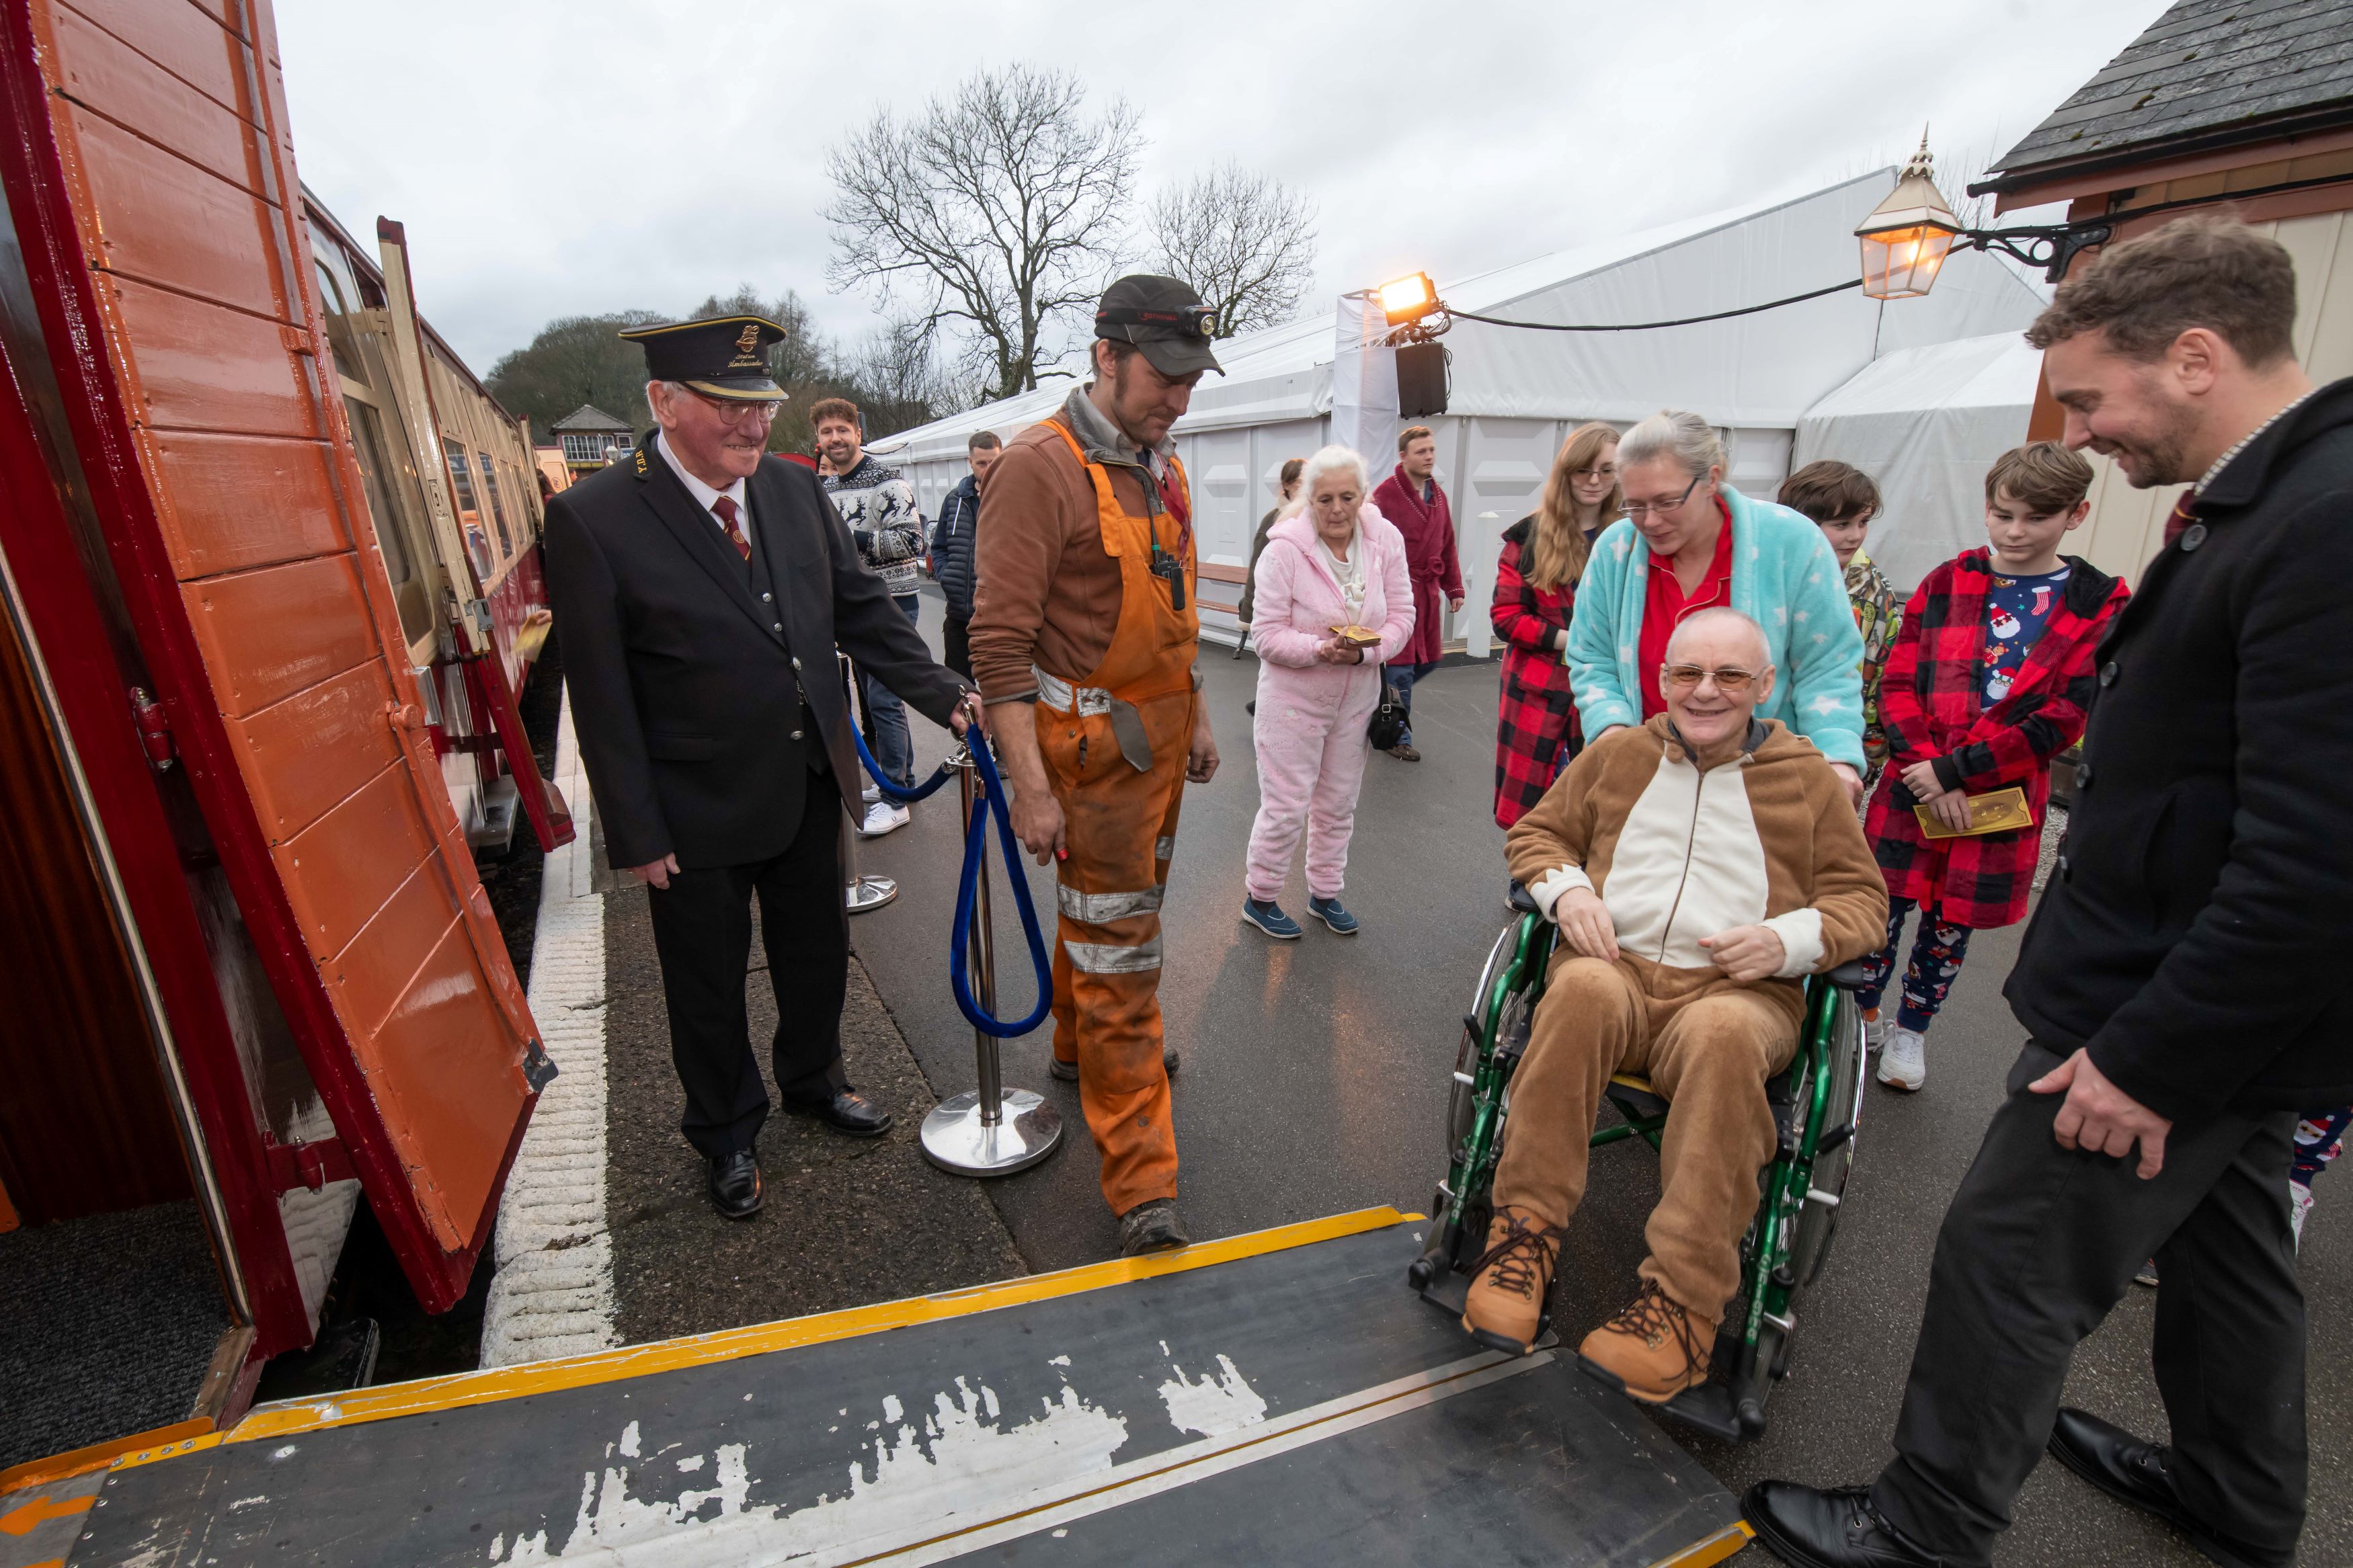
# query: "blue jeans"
x,y
894,749
1401,677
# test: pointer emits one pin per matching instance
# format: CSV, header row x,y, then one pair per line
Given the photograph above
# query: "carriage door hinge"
x,y
307,1166
155,730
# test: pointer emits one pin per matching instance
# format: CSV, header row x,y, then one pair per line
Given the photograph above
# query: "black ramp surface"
x,y
905,1440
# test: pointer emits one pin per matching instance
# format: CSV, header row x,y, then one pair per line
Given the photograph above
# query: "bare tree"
x,y
1246,244
896,380
997,208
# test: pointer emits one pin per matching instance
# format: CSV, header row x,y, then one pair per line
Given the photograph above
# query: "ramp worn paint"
x,y
1297,1405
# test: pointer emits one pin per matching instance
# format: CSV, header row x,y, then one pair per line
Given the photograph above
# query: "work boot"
x,y
1503,1310
1651,1351
1069,1071
1151,1225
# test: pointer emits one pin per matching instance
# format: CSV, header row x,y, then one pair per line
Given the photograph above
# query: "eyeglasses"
x,y
1639,509
1728,679
733,412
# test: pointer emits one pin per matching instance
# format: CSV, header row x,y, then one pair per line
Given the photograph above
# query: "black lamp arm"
x,y
2051,248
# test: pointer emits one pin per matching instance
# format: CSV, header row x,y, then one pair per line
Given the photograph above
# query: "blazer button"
x,y
2066,870
767,598
796,664
2193,536
797,734
780,625
2108,673
2082,775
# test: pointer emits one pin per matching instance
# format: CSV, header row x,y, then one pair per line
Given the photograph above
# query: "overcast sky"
x,y
576,157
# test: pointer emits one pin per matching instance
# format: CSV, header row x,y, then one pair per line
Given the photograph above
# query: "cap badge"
x,y
748,341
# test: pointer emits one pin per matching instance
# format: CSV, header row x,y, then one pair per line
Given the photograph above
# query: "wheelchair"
x,y
1816,1101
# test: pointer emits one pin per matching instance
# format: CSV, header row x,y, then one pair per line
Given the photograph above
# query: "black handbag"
x,y
1386,728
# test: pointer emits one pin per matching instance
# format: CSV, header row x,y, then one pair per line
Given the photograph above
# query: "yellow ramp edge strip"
x,y
460,1389
1714,1549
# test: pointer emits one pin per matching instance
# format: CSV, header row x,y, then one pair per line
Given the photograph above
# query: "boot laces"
x,y
1653,1315
1519,1258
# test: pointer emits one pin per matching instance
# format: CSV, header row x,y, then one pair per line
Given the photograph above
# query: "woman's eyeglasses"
x,y
1639,509
1728,679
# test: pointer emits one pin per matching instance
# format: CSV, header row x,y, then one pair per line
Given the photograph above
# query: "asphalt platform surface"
x,y
1313,1080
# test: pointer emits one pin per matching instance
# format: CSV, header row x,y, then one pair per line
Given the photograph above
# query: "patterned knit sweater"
x,y
879,505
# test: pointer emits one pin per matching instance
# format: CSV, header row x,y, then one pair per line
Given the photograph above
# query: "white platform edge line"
x,y
1231,1451
552,1294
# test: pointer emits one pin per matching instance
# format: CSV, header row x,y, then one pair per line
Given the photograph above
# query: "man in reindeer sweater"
x,y
1698,867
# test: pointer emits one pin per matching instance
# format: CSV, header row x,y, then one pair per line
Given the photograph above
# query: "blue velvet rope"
x,y
975,848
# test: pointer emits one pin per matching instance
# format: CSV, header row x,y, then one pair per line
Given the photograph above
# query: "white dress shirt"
x,y
704,495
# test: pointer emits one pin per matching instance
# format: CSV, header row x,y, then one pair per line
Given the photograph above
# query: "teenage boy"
x,y
1842,500
1990,676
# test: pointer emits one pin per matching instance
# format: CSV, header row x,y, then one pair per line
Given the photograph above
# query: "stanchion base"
x,y
956,1140
869,893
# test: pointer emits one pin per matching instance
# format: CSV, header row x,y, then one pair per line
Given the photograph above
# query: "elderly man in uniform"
x,y
1084,638
699,587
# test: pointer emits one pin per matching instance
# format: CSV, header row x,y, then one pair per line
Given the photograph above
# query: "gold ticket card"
x,y
1996,811
1362,636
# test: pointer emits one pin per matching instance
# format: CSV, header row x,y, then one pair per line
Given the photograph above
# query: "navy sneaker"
x,y
1269,918
1329,912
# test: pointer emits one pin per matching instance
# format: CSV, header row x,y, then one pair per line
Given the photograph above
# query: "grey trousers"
x,y
2039,1243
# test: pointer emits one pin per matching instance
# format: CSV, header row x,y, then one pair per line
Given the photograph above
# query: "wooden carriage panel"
x,y
276,631
160,219
186,42
210,499
346,866
302,755
193,365
192,109
380,965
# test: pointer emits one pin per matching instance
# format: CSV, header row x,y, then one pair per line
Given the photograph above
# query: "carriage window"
x,y
461,474
498,506
399,561
336,313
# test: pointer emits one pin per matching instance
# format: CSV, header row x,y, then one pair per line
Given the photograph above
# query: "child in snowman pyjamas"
x,y
1990,678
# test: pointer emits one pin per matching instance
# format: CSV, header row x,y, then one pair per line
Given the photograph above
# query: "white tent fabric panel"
x,y
1925,423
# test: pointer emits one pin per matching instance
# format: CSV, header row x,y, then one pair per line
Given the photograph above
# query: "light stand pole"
x,y
860,893
992,1130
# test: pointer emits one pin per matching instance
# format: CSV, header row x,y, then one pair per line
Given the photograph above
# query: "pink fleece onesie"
x,y
1310,728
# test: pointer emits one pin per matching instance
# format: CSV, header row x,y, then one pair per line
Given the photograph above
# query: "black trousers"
x,y
2039,1243
702,935
956,643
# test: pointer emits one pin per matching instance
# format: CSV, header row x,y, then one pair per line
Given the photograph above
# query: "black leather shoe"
x,y
846,1110
1069,1071
735,1190
1838,1528
2132,1471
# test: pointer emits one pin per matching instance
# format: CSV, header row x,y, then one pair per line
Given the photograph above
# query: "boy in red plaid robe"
x,y
1990,678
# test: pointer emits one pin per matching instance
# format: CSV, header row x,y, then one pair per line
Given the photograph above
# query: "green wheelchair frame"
x,y
1817,1101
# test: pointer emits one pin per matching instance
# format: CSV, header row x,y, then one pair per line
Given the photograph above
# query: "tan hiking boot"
x,y
1653,1350
1504,1309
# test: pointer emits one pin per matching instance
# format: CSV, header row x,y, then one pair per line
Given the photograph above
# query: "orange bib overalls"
x,y
1115,744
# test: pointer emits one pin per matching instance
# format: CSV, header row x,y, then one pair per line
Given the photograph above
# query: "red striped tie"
x,y
2185,513
725,507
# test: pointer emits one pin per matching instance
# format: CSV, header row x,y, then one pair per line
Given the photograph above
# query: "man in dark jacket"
x,y
951,547
699,589
2183,983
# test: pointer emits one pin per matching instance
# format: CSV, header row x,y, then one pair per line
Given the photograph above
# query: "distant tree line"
x,y
891,374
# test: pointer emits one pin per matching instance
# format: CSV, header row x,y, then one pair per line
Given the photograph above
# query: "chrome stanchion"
x,y
991,1130
860,893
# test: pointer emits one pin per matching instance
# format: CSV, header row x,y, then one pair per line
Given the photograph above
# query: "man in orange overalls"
x,y
1084,616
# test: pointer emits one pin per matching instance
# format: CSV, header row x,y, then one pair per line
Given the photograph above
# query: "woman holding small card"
x,y
1331,603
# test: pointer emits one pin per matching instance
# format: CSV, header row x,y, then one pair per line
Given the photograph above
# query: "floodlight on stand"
x,y
1906,237
1408,299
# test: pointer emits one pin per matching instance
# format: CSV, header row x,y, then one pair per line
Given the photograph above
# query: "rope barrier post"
x,y
859,893
991,1130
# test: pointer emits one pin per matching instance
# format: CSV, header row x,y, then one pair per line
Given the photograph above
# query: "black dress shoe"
x,y
1838,1528
1069,1071
844,1110
2132,1471
735,1190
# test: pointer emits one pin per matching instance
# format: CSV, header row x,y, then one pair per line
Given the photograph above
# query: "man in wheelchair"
x,y
1698,867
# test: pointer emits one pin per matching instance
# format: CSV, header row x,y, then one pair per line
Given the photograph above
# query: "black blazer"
x,y
2197,931
687,684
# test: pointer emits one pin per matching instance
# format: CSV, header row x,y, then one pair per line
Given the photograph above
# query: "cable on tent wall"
x,y
1650,326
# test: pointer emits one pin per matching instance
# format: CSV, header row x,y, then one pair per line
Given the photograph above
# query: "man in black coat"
x,y
952,553
2184,981
699,589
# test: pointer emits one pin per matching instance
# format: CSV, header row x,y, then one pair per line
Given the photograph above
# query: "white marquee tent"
x,y
1925,423
1516,394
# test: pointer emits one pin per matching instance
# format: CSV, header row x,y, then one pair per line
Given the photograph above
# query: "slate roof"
x,y
588,416
2207,74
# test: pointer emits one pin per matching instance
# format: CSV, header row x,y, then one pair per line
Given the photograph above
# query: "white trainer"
x,y
868,793
883,817
1874,1034
1904,1064
2299,1204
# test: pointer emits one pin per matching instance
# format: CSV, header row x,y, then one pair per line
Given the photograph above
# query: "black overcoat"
x,y
688,671
2197,933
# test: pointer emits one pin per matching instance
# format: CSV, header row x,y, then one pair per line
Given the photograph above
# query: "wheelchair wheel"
x,y
1810,1248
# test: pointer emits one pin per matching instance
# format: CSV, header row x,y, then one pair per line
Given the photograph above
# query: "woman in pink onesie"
x,y
1331,561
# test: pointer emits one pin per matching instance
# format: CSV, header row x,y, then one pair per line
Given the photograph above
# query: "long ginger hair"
x,y
1556,545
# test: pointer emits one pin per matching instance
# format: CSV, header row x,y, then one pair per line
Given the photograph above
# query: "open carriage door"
x,y
153,186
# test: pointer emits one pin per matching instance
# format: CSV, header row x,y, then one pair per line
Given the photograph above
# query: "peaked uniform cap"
x,y
725,356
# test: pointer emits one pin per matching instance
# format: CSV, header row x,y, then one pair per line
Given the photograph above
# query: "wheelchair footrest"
x,y
1707,1408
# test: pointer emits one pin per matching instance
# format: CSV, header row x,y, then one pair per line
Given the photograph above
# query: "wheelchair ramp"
x,y
1281,1397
